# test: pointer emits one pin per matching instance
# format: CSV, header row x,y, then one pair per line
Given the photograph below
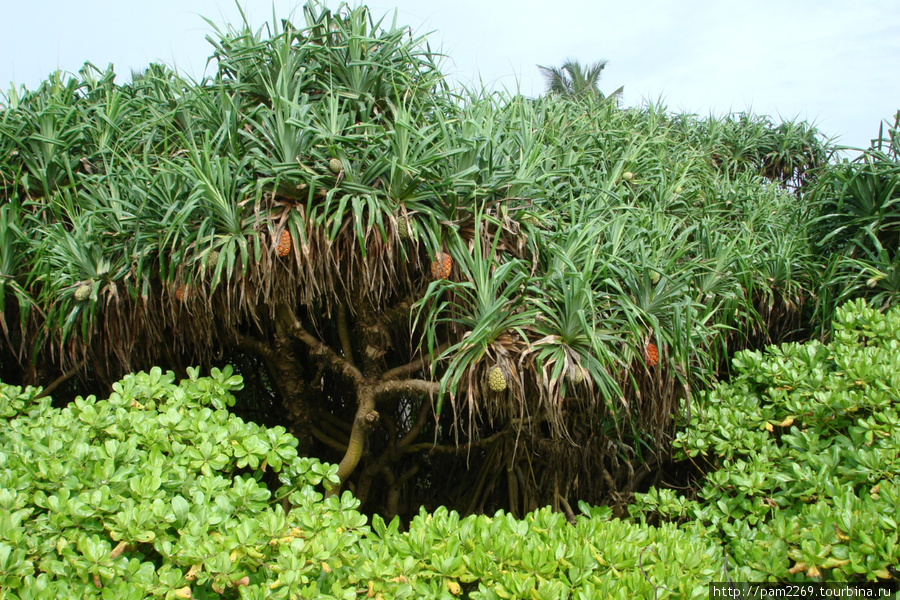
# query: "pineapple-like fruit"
x,y
82,293
531,220
284,244
440,268
181,291
496,380
651,354
628,176
335,165
403,228
576,375
212,259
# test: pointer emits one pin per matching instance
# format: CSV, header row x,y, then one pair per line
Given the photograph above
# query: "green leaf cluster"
x,y
857,203
541,556
158,491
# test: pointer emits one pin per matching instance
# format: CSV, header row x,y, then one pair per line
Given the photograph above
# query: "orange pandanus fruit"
x,y
284,244
440,268
651,355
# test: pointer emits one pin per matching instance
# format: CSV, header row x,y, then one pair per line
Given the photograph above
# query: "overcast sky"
x,y
832,62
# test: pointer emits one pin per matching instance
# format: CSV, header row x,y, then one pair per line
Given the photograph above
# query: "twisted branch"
x,y
316,346
411,367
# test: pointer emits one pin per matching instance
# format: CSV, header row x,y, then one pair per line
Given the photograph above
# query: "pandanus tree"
x,y
459,297
857,208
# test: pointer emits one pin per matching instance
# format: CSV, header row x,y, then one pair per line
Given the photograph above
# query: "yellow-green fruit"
x,y
628,176
654,277
335,165
576,375
496,380
212,259
83,293
531,220
679,189
403,228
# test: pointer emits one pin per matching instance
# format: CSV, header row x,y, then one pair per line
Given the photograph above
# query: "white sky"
x,y
833,62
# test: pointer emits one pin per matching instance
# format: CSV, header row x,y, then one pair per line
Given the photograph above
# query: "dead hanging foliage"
x,y
196,315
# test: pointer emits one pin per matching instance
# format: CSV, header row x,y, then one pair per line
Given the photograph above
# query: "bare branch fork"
x,y
368,390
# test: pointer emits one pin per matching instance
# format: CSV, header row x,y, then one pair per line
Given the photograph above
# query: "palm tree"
x,y
575,80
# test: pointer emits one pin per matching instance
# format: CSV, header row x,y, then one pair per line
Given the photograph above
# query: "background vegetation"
x,y
367,247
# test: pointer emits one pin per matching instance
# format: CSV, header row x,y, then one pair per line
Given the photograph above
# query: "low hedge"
x,y
159,491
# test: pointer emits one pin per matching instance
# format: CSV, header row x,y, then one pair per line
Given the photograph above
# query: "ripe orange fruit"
x,y
284,244
651,355
440,268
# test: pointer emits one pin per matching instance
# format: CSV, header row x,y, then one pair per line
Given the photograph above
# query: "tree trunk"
x,y
365,419
293,390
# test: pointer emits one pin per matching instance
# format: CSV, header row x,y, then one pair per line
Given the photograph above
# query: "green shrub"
x,y
541,556
159,491
805,445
